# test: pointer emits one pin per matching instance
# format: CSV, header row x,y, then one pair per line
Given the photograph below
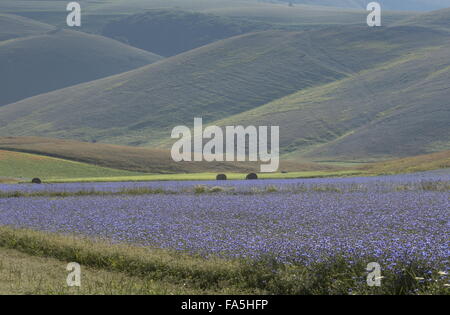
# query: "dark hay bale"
x,y
36,181
221,177
251,176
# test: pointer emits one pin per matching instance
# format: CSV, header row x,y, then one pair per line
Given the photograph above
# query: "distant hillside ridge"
x,y
400,5
438,20
13,26
225,78
170,32
45,62
397,109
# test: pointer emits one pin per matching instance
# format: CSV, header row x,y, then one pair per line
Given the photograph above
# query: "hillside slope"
x,y
420,163
170,32
438,20
398,109
42,63
229,77
13,26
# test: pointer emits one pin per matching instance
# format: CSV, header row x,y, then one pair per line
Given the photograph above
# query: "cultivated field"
x,y
24,167
276,236
55,160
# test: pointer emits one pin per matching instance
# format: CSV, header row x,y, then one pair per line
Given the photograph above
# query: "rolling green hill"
x,y
170,32
341,93
438,20
45,62
142,106
225,78
12,26
397,109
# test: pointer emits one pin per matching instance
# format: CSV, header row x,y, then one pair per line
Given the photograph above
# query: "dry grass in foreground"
x,y
34,262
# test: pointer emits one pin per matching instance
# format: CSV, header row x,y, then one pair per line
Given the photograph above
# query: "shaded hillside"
x,y
215,81
415,118
12,26
42,63
170,32
400,108
439,20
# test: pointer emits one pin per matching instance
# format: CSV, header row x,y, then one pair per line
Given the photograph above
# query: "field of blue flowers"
x,y
391,219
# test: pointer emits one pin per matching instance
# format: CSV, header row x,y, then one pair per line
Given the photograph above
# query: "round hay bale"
x,y
251,176
221,177
36,180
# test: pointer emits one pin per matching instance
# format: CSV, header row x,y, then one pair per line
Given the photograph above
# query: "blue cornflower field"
x,y
393,220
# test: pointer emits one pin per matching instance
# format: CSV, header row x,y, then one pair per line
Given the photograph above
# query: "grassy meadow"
x,y
138,159
206,176
57,161
24,166
27,274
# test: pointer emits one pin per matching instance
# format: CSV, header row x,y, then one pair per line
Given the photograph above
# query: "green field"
x,y
56,160
26,166
208,176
